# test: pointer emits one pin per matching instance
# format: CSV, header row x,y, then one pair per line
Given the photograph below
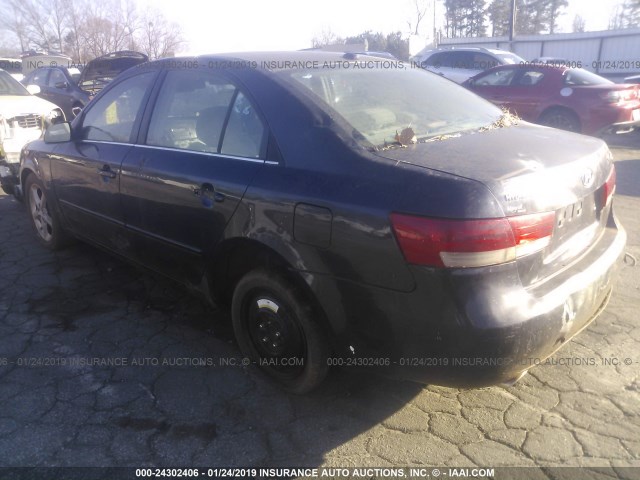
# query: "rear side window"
x,y
482,61
204,112
112,117
577,76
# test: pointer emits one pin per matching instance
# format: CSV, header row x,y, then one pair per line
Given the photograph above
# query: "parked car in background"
x,y
57,85
22,119
460,63
100,71
567,98
33,60
13,66
366,216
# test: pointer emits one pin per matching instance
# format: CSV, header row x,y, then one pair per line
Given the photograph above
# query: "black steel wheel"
x,y
278,331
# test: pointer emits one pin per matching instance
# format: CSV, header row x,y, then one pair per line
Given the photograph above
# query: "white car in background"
x,y
12,66
23,118
461,63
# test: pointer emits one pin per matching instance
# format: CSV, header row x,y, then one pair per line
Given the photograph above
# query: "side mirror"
x,y
62,85
33,89
58,133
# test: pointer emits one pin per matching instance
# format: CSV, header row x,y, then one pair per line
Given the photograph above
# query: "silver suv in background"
x,y
460,63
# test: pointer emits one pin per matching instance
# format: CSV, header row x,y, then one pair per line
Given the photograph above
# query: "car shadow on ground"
x,y
186,400
629,140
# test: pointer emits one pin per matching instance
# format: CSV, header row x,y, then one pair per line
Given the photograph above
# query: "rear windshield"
x,y
379,103
10,86
577,76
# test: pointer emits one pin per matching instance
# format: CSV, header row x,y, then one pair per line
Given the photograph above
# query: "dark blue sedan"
x,y
350,210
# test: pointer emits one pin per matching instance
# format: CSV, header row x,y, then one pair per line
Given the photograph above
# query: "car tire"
x,y
561,118
273,324
44,219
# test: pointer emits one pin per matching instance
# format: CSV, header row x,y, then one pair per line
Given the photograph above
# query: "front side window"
x,y
204,112
530,78
378,103
39,77
56,77
498,78
112,117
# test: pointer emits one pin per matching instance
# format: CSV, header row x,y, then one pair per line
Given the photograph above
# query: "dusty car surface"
x,y
562,97
22,119
416,230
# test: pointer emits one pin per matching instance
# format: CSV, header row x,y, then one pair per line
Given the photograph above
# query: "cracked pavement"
x,y
81,304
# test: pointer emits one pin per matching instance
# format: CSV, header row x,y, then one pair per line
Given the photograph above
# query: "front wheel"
x,y
44,219
279,332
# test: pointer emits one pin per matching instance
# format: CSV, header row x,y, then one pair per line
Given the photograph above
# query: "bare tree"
x,y
421,9
86,29
58,20
158,38
14,22
76,24
324,38
579,23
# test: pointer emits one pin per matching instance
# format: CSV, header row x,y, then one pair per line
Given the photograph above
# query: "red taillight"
x,y
618,96
609,186
471,243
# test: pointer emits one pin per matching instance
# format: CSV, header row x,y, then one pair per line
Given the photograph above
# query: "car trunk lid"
x,y
531,169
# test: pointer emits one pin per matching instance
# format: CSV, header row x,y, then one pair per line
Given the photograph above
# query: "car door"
x,y
86,171
519,90
58,90
526,93
182,183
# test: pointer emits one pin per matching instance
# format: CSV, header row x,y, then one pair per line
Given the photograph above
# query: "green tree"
x,y
499,17
465,18
538,16
631,9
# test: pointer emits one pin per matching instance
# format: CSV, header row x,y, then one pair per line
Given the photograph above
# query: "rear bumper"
x,y
621,127
475,327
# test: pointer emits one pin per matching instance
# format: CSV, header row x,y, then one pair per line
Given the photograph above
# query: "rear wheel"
x,y
44,219
561,118
278,331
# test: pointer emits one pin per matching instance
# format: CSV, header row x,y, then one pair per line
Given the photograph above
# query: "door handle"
x,y
106,172
208,193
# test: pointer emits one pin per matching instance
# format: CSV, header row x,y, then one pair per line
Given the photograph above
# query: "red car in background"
x,y
561,97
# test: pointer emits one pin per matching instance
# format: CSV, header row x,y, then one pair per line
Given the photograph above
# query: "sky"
x,y
244,25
